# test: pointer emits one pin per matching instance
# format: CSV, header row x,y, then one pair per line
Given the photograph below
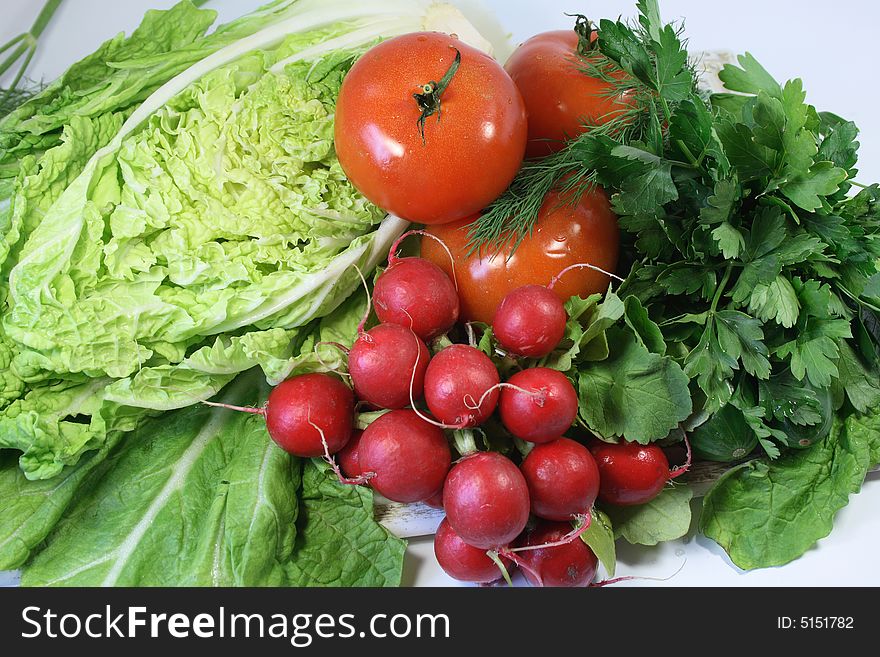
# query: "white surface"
x,y
791,38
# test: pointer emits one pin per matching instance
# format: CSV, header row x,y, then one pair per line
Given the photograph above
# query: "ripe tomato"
x,y
559,97
471,149
564,235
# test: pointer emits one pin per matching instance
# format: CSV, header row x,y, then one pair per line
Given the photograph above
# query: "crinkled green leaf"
x,y
47,425
770,514
338,543
125,70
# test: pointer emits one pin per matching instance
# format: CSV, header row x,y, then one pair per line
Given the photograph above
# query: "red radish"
x,y
349,456
309,415
417,294
568,564
455,383
630,473
436,500
563,479
462,561
385,362
486,500
538,404
304,411
530,321
410,457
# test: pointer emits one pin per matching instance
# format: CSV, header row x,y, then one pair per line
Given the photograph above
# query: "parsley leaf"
x,y
807,190
749,78
815,350
775,301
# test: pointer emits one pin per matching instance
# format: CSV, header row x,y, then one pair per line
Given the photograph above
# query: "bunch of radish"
x,y
500,514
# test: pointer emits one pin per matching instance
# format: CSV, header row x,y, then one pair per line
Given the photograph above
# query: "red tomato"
x,y
471,149
560,98
564,235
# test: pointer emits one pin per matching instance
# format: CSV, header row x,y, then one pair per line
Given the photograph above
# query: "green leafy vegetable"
x,y
633,393
339,543
600,537
206,485
32,508
754,289
769,514
177,216
209,487
665,518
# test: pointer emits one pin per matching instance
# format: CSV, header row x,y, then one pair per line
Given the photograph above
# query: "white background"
x,y
831,45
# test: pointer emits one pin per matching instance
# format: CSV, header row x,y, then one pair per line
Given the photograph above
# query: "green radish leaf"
x,y
338,543
633,393
646,331
665,518
600,538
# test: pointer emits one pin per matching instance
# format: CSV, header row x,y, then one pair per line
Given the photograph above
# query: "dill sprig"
x,y
22,49
511,217
633,62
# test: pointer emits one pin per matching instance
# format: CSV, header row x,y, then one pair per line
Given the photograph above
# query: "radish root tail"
x,y
522,564
412,401
582,265
583,525
241,409
539,397
392,255
680,470
328,457
627,578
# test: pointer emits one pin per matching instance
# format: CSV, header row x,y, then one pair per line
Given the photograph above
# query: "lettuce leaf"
x,y
206,485
339,543
209,487
768,514
122,72
186,221
226,218
32,508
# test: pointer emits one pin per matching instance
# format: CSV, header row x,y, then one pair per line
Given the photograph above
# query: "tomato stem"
x,y
583,27
429,98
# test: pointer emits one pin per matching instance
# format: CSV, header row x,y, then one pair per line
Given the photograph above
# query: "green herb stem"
x,y
725,279
27,48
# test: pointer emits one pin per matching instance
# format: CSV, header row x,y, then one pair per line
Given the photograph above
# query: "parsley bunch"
x,y
750,261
